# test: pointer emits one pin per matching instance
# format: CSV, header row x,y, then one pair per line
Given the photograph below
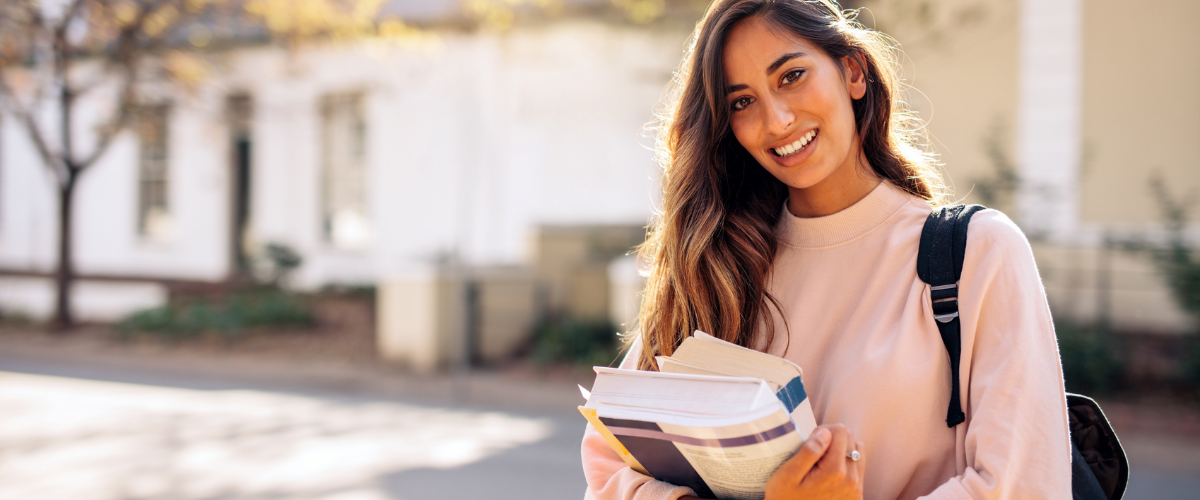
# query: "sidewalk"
x,y
148,421
89,419
1162,443
94,356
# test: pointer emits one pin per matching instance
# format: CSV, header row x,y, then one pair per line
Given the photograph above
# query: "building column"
x,y
1050,110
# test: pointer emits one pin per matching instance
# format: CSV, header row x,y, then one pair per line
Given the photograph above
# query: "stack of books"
x,y
717,417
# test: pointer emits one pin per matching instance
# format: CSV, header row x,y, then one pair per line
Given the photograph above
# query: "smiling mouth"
x,y
795,147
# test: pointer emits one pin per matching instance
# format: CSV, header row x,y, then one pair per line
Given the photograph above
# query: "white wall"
x,y
473,140
1050,113
105,204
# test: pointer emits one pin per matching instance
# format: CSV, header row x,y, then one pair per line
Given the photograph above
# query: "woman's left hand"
x,y
821,469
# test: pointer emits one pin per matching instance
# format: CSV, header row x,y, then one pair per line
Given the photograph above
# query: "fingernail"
x,y
820,437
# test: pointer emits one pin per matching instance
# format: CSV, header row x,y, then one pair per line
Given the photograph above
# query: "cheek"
x,y
740,127
840,109
745,131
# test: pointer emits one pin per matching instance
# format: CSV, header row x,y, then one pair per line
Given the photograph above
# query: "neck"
x,y
844,187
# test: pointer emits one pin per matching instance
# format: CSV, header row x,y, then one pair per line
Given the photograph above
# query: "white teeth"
x,y
792,148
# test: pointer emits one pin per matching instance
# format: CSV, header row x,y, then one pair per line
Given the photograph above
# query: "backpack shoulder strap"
x,y
939,263
1099,468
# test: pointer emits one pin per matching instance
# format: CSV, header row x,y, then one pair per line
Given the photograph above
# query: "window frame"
x,y
154,172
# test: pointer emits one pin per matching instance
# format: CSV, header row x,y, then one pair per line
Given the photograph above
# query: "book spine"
x,y
613,442
792,394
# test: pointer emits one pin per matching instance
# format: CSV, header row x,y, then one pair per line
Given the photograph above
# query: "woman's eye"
x,y
792,76
741,103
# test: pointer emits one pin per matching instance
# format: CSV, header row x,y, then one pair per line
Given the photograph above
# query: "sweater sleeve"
x,y
1016,443
608,478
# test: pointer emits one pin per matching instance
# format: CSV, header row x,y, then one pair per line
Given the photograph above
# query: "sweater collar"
x,y
853,221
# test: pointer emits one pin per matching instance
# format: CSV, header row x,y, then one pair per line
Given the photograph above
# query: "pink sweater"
x,y
862,329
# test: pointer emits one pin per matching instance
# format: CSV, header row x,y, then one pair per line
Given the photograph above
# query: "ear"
x,y
856,77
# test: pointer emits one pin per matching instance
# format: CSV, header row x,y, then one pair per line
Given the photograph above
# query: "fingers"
x,y
835,460
819,469
861,464
810,452
854,468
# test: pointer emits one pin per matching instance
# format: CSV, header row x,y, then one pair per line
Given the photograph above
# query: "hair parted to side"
x,y
711,248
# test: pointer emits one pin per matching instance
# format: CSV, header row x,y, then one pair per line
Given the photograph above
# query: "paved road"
x,y
71,431
128,428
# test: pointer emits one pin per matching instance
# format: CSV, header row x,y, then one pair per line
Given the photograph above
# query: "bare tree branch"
x,y
23,24
127,56
109,132
30,123
69,15
61,54
88,45
54,161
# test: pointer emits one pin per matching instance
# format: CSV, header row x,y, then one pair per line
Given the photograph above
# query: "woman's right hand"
x,y
820,469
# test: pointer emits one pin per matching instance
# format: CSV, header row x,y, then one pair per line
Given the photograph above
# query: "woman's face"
x,y
790,105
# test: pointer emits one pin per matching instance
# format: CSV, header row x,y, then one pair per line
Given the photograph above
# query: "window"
x,y
344,218
154,218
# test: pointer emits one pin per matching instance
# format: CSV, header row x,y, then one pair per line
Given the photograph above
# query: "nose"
x,y
779,116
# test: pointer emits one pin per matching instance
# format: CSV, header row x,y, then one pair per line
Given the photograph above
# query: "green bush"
x,y
16,316
1179,265
235,314
577,342
1176,260
1089,358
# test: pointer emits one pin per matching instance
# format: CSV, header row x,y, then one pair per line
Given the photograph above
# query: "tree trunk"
x,y
63,318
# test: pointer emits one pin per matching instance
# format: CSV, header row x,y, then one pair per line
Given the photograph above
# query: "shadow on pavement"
x,y
548,469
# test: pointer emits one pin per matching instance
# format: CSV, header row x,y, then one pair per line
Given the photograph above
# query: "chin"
x,y
801,177
803,183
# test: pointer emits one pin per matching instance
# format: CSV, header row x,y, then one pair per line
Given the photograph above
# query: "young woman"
x,y
794,195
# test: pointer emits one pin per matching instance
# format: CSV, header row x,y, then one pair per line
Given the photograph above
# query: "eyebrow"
x,y
783,59
735,88
770,69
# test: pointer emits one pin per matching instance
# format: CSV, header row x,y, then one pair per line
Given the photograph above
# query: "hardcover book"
x,y
717,418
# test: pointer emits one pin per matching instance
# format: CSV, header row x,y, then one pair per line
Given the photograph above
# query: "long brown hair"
x,y
712,246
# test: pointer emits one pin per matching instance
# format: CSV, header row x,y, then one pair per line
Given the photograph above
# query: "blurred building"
x,y
1060,112
528,148
366,157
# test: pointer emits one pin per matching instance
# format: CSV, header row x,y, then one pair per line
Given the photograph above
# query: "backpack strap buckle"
x,y
945,318
945,302
939,263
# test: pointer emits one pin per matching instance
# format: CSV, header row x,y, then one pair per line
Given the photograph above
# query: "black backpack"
x,y
1099,469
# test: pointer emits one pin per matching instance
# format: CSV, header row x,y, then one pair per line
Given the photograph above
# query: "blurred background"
x,y
365,249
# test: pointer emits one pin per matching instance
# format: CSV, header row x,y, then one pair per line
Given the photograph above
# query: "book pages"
x,y
739,472
717,417
703,354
